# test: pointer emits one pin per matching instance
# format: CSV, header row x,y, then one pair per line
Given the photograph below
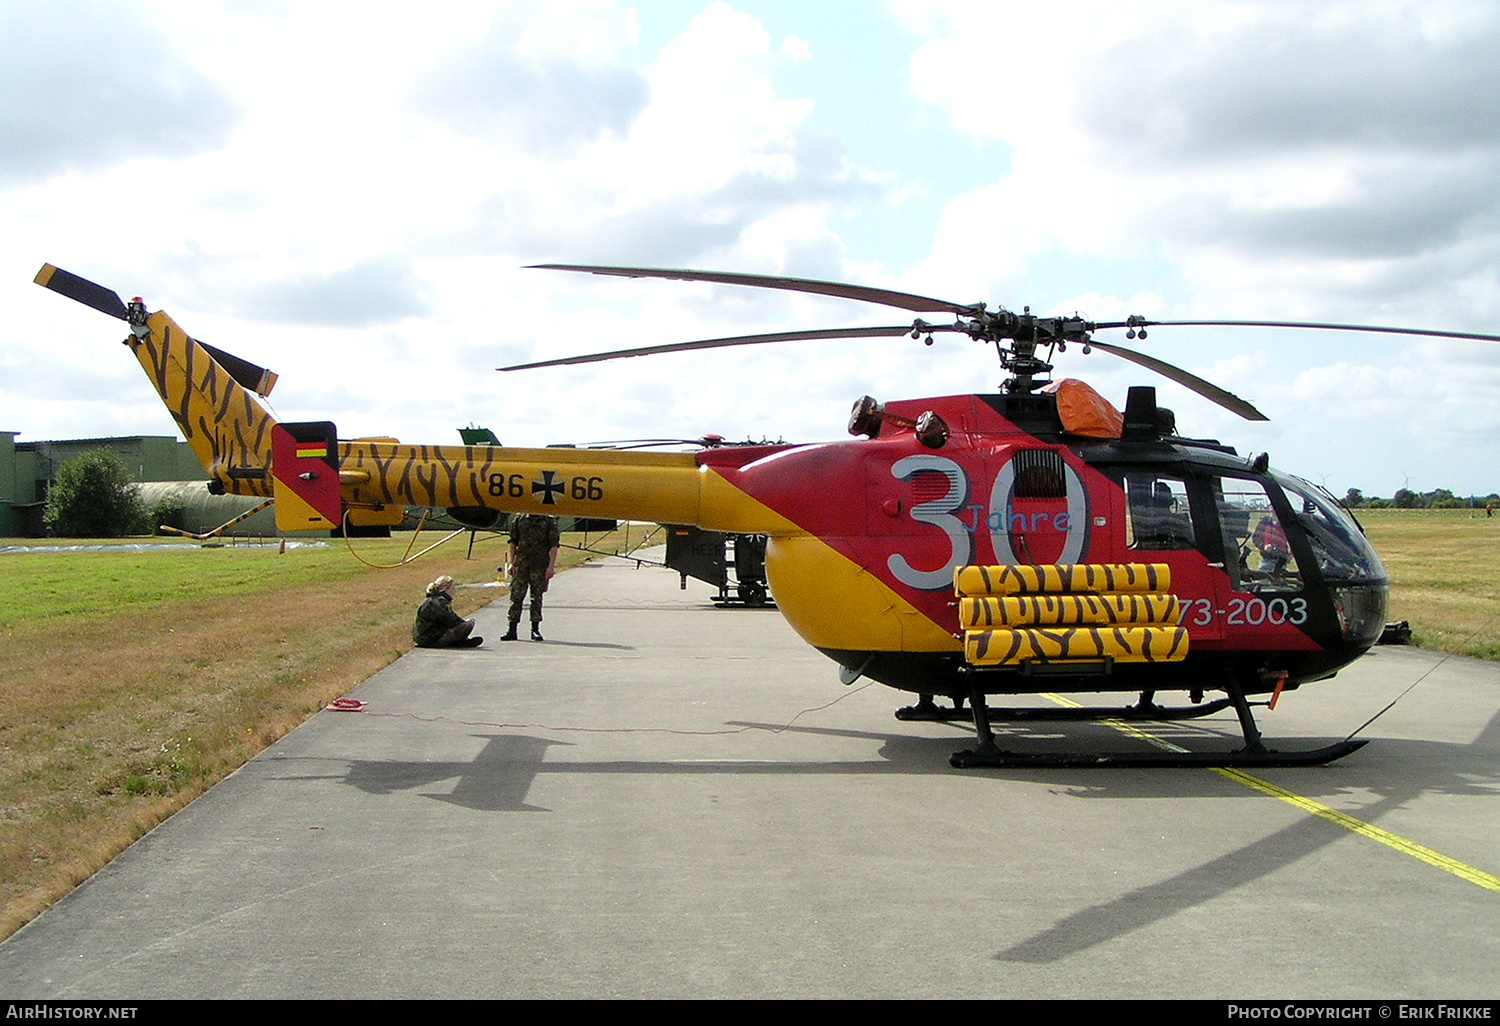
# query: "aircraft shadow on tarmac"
x,y
1389,766
499,777
1153,903
1398,771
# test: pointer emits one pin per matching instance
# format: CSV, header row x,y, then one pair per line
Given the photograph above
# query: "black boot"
x,y
536,632
509,635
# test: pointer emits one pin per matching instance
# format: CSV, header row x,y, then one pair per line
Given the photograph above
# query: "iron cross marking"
x,y
549,486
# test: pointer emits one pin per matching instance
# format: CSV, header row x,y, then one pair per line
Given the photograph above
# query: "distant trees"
x,y
94,497
1405,498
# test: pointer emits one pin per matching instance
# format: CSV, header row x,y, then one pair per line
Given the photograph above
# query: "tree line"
x,y
1405,498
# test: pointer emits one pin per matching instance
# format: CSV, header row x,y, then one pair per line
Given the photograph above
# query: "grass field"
x,y
131,681
1445,575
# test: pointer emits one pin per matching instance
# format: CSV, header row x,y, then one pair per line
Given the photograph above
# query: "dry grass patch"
x,y
130,683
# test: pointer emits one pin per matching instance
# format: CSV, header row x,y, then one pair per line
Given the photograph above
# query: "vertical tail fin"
x,y
207,391
227,427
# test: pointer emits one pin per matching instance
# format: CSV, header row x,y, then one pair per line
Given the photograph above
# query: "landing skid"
x,y
1137,760
987,753
930,710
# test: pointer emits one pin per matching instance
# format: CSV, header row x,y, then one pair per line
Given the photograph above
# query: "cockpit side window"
x,y
1158,516
1257,554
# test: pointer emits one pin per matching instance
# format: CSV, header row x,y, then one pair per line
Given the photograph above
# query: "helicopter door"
x,y
1265,583
1165,523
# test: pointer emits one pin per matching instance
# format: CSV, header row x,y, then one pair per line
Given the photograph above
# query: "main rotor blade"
x,y
843,290
1314,325
737,340
1206,389
81,290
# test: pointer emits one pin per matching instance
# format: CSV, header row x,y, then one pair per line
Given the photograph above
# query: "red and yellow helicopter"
x,y
1032,541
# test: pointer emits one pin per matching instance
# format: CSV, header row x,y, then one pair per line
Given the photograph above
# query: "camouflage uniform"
x,y
437,625
534,536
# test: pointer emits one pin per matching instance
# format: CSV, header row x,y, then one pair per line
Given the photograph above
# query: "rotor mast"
x,y
1017,336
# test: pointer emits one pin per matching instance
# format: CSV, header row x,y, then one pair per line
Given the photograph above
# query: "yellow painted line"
x,y
1396,842
1120,725
1462,870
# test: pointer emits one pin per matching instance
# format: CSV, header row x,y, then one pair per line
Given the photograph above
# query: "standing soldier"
x,y
534,539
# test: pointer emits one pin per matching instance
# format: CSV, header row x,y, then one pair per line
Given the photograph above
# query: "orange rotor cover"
x,y
1084,411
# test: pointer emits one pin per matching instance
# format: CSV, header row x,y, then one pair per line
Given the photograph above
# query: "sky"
x,y
349,194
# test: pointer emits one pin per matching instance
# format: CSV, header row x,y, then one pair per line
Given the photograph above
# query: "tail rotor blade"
x,y
81,290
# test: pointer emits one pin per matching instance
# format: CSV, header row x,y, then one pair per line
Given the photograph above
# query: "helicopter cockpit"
x,y
1275,535
1338,544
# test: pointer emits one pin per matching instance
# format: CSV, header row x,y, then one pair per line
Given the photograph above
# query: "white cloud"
x,y
88,84
366,245
1281,161
345,193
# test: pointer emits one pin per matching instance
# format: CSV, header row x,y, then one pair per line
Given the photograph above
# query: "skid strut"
x,y
1146,709
1255,753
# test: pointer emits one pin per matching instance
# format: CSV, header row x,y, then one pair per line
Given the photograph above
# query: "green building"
x,y
27,470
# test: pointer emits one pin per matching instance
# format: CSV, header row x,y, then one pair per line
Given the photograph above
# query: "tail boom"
x,y
661,487
233,436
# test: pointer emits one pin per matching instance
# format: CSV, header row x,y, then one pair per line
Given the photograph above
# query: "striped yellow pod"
x,y
1067,577
1122,644
1063,610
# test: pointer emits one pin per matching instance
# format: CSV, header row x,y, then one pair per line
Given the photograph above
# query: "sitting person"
x,y
437,625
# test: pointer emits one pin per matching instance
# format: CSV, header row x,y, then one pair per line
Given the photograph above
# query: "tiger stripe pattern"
x,y
1077,611
224,423
1122,644
1067,577
1061,610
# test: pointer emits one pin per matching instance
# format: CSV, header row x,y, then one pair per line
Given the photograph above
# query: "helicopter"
x,y
1032,541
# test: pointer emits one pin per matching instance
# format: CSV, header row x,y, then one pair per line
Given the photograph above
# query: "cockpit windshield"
x,y
1341,549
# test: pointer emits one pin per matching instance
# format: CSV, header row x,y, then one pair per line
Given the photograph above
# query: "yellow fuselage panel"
x,y
560,482
833,602
668,488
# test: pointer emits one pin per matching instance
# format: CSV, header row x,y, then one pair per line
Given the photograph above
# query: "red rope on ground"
x,y
355,705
